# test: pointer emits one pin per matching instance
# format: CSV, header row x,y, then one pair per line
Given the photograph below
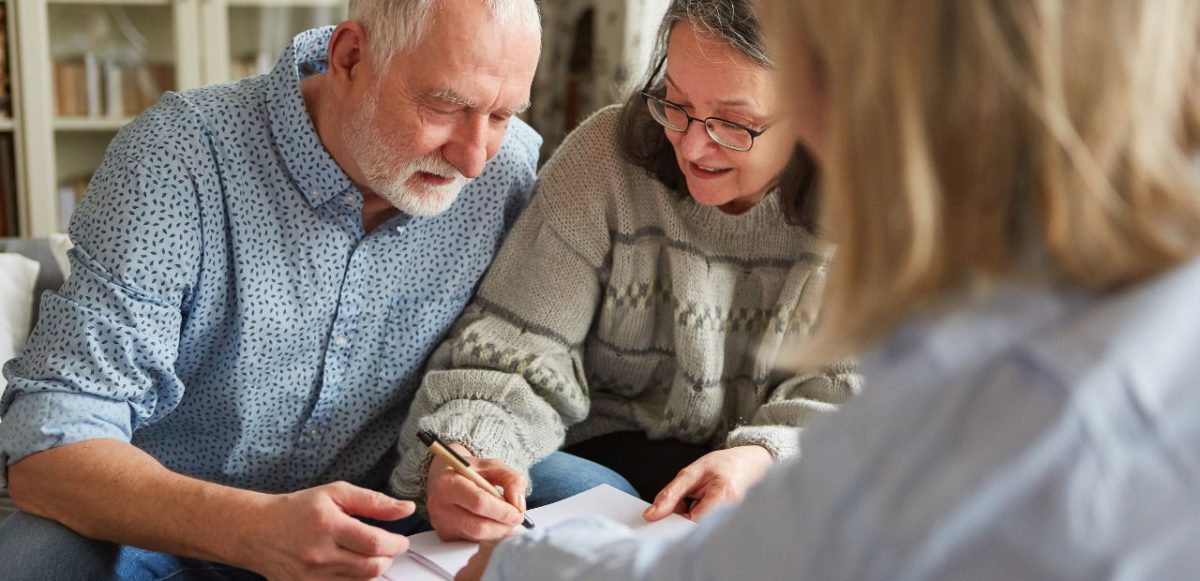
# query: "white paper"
x,y
445,559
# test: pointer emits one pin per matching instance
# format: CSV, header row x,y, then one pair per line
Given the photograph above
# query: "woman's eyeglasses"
x,y
673,116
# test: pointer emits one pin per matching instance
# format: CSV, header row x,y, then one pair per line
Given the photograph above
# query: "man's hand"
x,y
715,478
478,563
458,509
312,534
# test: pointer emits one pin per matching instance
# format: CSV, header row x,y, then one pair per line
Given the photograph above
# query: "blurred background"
x,y
73,72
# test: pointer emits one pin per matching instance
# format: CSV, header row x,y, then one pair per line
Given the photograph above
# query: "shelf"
x,y
284,3
90,123
114,2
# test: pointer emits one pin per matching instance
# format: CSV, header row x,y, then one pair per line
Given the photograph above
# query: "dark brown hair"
x,y
643,141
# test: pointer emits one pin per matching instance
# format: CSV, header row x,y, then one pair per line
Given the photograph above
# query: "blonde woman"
x,y
1013,191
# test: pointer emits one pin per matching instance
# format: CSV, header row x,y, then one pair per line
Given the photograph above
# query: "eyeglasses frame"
x,y
646,95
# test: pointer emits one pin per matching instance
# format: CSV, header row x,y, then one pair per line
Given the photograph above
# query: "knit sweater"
x,y
617,304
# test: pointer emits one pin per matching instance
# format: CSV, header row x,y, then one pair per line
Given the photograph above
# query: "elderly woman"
x,y
1013,191
635,312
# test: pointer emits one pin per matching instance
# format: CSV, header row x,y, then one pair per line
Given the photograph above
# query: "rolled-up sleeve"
x,y
100,363
776,425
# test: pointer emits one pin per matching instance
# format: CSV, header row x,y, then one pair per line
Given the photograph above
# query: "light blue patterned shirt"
x,y
227,312
1034,434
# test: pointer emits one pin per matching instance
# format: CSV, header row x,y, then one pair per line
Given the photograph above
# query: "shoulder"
x,y
521,147
512,172
171,134
589,163
590,172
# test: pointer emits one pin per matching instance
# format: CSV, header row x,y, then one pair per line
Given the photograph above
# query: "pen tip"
x,y
426,437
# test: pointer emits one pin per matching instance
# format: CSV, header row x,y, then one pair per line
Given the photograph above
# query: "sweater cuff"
x,y
484,428
783,442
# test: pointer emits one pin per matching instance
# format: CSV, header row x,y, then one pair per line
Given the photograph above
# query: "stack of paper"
x,y
445,559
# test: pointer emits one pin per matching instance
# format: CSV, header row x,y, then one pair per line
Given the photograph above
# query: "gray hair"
x,y
394,26
733,21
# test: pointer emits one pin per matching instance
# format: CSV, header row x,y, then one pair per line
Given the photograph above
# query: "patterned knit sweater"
x,y
616,304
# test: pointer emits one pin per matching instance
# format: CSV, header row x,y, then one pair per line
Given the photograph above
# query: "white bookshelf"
x,y
200,39
10,126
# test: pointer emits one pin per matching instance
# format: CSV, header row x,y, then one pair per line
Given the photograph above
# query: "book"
x,y
70,87
8,186
88,86
5,85
114,96
92,86
443,559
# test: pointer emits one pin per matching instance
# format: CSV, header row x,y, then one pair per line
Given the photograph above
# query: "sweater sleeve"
x,y
783,410
776,424
508,379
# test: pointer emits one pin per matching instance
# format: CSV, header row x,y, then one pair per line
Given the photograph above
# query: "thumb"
x,y
355,500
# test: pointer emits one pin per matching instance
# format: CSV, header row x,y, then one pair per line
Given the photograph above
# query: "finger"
x,y
514,484
468,496
336,562
712,498
463,524
671,497
359,568
369,503
369,541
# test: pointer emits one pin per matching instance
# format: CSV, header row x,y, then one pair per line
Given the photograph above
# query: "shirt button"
x,y
340,341
314,432
315,192
349,199
399,229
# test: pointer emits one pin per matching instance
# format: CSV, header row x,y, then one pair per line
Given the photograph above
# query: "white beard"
x,y
398,181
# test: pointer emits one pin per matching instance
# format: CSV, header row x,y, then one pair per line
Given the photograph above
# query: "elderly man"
x,y
260,270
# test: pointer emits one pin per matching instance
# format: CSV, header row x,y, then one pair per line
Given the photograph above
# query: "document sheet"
x,y
445,559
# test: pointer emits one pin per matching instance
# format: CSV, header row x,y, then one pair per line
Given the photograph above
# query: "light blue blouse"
x,y
1031,434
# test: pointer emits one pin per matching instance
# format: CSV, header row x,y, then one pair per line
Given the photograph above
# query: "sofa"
x,y
28,267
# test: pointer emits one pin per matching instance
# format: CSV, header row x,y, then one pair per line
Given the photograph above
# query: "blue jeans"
x,y
35,548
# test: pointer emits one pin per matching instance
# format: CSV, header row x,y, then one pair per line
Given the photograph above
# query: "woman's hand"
x,y
716,478
458,509
478,563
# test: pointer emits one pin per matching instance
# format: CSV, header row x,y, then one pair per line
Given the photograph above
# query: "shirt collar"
x,y
312,169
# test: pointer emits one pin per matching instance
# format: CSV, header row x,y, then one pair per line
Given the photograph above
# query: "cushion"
x,y
18,275
59,245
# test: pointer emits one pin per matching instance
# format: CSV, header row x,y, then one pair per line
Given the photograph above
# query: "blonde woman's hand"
x,y
715,478
478,563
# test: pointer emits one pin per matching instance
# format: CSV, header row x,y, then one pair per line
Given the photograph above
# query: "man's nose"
x,y
467,149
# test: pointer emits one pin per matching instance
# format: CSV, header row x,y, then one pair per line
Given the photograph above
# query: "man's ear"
x,y
348,57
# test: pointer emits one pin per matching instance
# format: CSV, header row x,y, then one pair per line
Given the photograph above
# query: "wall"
x,y
593,52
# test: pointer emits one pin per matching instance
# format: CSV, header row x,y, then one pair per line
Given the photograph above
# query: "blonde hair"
x,y
973,141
